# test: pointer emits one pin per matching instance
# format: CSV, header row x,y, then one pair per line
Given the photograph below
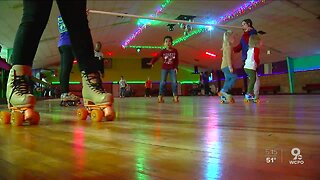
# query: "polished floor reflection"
x,y
199,138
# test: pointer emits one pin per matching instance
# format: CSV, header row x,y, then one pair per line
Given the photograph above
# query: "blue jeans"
x,y
173,77
230,79
122,91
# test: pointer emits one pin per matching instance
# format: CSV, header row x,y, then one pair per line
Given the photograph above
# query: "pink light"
x,y
211,54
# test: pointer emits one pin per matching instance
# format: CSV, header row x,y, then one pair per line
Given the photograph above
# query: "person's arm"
x,y
155,59
176,62
237,48
256,54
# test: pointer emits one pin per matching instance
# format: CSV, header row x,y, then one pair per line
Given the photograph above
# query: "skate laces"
x,y
22,85
95,82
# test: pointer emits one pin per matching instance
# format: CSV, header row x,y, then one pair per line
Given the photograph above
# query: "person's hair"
x,y
249,22
254,40
167,37
226,38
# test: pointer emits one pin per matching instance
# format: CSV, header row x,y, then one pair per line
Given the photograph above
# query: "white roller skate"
x,y
175,99
96,101
225,98
160,99
252,98
20,99
69,99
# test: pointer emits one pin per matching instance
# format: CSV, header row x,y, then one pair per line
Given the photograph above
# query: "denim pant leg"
x,y
164,74
174,85
230,79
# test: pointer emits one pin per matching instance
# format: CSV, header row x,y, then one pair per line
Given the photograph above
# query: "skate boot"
x,y
248,98
256,99
175,99
69,99
96,101
225,98
20,99
160,99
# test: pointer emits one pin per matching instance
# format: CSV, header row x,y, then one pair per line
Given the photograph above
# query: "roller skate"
x,y
248,98
69,99
96,101
225,98
160,99
20,99
256,99
175,99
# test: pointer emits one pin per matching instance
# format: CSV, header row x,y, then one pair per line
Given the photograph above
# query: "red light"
x,y
75,61
108,53
211,54
154,54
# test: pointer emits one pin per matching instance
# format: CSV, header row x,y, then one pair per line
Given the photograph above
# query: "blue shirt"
x,y
64,35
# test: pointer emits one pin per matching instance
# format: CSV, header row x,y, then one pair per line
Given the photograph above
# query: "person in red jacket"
x,y
170,64
248,31
148,86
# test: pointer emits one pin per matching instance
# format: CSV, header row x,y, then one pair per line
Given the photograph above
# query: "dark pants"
x,y
252,80
34,20
206,88
67,57
148,92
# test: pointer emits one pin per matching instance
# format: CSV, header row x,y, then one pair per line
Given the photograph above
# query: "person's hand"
x,y
150,64
249,28
176,70
231,69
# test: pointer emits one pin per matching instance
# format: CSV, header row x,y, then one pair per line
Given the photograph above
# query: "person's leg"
x,y
252,79
174,85
164,74
67,58
33,22
74,16
226,84
257,86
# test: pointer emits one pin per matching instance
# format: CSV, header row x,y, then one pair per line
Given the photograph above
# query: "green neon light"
x,y
184,38
189,82
146,47
56,83
177,41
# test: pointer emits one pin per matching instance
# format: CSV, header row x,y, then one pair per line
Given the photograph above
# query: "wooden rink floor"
x,y
199,138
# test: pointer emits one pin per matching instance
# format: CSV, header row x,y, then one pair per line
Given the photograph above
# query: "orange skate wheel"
x,y
96,115
16,118
29,114
35,118
82,114
232,101
4,117
109,113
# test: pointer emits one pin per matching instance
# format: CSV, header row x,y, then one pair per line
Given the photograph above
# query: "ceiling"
x,y
292,29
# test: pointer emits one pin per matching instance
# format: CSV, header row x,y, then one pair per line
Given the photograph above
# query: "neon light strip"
x,y
243,9
143,24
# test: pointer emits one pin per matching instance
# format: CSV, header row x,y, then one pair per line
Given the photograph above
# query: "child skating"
x,y
227,68
170,64
250,67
